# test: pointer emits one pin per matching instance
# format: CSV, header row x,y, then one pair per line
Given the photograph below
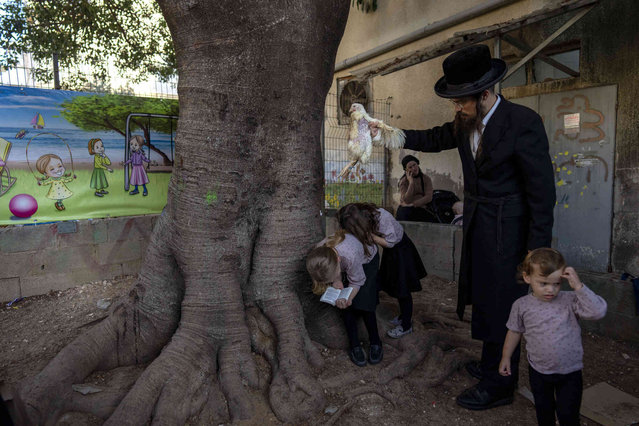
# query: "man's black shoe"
x,y
375,354
358,356
477,398
474,369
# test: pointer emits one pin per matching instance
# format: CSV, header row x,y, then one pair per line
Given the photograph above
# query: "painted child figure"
x,y
100,164
548,318
138,174
343,260
50,165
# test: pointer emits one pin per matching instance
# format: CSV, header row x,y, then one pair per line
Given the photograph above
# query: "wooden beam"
x,y
523,47
546,42
467,38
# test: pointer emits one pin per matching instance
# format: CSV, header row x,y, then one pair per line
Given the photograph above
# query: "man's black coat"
x,y
509,196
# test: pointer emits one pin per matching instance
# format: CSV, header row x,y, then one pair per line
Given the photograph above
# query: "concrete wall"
x,y
37,259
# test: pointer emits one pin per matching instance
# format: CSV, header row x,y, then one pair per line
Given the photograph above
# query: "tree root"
x,y
430,346
343,409
294,393
353,396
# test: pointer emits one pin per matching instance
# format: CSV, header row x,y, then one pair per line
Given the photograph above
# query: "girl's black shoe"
x,y
375,354
357,356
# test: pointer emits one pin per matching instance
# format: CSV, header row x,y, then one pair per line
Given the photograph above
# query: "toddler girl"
x,y
343,260
547,318
50,165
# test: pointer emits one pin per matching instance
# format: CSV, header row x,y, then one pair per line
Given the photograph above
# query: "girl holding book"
x,y
350,258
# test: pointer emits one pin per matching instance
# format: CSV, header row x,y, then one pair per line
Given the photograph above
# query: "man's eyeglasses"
x,y
458,103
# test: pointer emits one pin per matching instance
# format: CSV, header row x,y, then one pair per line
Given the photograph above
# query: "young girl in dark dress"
x,y
401,266
351,259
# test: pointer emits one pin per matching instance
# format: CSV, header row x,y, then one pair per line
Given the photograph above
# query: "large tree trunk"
x,y
225,268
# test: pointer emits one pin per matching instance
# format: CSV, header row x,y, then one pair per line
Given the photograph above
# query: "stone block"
x,y
130,228
435,244
627,186
88,232
27,238
63,259
621,321
626,240
132,267
121,251
16,264
9,288
608,405
429,232
41,284
618,294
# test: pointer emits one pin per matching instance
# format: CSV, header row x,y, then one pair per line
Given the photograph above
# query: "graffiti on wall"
x,y
572,164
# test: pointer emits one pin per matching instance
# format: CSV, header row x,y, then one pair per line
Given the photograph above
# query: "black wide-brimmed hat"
x,y
469,71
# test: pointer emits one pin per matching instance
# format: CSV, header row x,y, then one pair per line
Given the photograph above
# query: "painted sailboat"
x,y
37,122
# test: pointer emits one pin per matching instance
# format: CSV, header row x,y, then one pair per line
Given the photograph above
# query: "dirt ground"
x,y
35,329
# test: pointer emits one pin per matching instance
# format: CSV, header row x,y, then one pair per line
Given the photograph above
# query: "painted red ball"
x,y
23,205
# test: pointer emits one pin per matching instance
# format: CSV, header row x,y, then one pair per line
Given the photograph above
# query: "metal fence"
x,y
23,76
365,182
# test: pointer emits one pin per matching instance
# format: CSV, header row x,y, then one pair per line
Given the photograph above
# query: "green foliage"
x,y
109,112
132,35
365,5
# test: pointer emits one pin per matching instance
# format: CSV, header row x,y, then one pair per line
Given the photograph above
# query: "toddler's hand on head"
x,y
573,279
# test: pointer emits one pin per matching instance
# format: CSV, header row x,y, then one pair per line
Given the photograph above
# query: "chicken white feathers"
x,y
360,141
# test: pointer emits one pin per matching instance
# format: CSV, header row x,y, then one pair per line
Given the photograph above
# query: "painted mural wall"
x,y
64,155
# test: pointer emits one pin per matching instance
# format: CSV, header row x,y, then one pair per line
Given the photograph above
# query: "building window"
x,y
539,71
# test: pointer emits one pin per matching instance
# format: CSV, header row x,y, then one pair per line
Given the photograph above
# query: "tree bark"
x,y
243,210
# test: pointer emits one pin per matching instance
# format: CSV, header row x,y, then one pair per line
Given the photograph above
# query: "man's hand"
x,y
372,126
338,285
573,279
403,204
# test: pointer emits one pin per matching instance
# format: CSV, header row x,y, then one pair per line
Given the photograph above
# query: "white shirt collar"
x,y
474,140
491,112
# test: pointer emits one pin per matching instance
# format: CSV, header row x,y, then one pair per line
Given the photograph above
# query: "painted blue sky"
x,y
19,105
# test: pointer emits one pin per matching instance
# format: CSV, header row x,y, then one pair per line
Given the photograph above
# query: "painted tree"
x,y
109,112
224,271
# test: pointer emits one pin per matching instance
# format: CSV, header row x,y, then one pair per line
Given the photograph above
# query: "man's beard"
x,y
465,125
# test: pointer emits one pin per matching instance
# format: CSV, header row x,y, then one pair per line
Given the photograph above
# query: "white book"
x,y
331,295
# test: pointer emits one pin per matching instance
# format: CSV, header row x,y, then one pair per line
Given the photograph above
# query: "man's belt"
x,y
499,202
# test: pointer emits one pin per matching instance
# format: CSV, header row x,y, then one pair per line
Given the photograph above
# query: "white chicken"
x,y
360,142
